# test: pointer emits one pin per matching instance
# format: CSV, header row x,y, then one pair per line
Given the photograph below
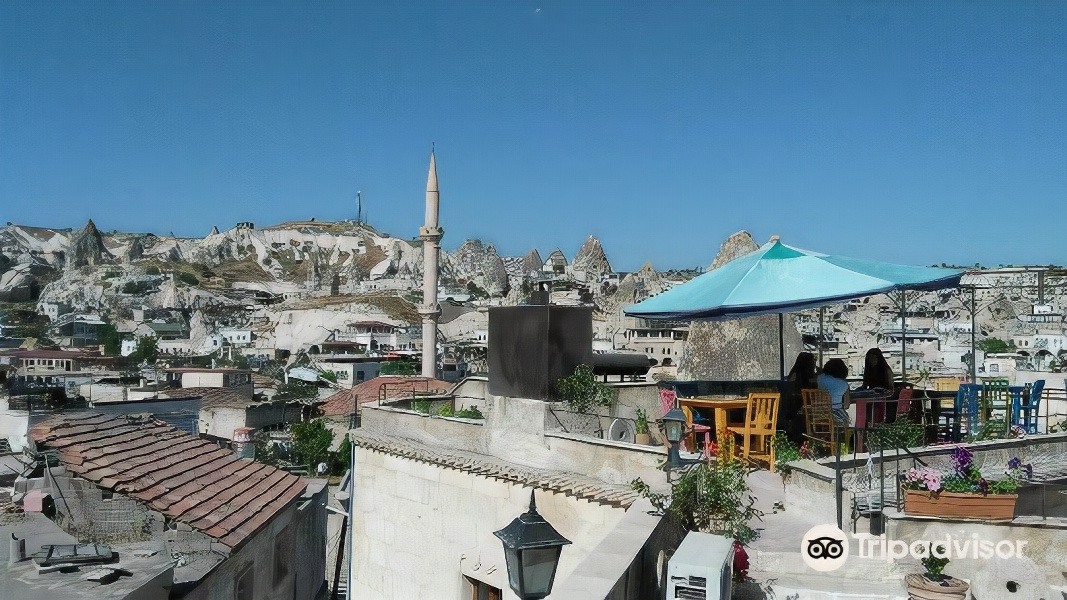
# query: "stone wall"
x,y
419,529
514,431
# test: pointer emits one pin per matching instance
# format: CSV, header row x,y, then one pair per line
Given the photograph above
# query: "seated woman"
x,y
876,371
801,377
833,379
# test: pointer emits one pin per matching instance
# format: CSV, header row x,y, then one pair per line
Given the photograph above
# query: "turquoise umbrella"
x,y
778,278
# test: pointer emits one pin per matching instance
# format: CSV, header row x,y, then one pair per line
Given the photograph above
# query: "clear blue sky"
x,y
910,131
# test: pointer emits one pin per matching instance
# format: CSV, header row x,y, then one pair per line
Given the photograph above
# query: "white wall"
x,y
419,527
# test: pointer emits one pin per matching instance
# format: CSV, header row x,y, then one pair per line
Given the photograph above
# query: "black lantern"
x,y
674,428
531,548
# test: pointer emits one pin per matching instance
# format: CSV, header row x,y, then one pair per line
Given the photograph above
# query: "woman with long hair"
x,y
876,371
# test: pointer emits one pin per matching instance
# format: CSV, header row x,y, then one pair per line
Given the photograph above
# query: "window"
x,y
245,585
479,590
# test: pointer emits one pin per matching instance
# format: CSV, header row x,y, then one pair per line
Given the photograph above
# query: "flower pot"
x,y
921,587
990,507
641,438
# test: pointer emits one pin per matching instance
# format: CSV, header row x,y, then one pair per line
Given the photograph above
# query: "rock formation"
x,y
479,263
591,260
87,248
737,349
135,251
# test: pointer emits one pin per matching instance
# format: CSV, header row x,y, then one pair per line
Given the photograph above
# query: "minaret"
x,y
431,235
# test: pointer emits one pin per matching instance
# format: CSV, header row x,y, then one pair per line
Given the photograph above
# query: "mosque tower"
x,y
431,235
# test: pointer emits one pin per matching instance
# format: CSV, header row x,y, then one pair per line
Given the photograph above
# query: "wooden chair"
x,y
1026,411
946,384
815,397
821,428
757,435
996,399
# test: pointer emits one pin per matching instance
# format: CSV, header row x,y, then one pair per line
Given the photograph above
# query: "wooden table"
x,y
720,406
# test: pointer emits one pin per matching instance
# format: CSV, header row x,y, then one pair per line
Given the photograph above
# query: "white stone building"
x,y
430,492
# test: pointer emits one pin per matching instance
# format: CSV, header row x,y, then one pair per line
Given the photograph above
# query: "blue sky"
x,y
916,132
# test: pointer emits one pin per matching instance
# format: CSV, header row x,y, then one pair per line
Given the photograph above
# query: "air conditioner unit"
x,y
702,568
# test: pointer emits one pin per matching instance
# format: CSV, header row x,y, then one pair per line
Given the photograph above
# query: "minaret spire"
x,y
431,234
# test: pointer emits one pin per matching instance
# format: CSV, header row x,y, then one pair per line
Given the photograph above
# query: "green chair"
x,y
996,400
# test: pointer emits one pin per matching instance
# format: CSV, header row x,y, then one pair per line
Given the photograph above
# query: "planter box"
x,y
998,507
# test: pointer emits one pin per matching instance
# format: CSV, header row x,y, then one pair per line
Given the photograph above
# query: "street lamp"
x,y
532,548
674,428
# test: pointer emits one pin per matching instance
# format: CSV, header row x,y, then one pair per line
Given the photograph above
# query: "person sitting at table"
x,y
833,379
801,377
876,371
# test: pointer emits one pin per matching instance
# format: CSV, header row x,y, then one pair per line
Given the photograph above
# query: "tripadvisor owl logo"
x,y
824,548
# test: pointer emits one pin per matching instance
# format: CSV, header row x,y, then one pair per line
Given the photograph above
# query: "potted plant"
x,y
934,584
964,493
641,428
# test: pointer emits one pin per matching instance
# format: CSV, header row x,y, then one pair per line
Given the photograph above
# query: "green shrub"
x,y
397,367
582,392
890,436
470,412
152,270
785,452
188,278
641,422
712,497
137,288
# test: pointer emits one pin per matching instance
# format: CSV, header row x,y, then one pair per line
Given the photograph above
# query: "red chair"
x,y
904,402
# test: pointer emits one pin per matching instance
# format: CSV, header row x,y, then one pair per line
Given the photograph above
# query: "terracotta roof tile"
x,y
399,386
181,476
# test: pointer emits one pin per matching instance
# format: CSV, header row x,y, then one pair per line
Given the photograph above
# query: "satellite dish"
x,y
621,430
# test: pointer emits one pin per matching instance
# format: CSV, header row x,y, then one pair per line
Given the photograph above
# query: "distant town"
x,y
315,409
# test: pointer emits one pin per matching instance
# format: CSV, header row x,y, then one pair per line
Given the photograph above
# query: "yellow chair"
x,y
757,434
815,397
946,384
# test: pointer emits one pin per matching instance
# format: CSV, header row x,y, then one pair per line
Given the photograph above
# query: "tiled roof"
x,y
571,484
343,402
183,477
213,397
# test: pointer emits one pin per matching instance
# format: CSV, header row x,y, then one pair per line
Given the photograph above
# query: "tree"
x,y
582,392
145,350
311,443
398,367
296,390
992,345
110,339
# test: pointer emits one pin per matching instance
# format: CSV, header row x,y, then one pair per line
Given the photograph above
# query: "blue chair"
x,y
1025,412
967,408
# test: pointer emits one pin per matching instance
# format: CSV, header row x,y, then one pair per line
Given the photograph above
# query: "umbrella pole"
x,y
822,313
903,337
974,354
781,344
